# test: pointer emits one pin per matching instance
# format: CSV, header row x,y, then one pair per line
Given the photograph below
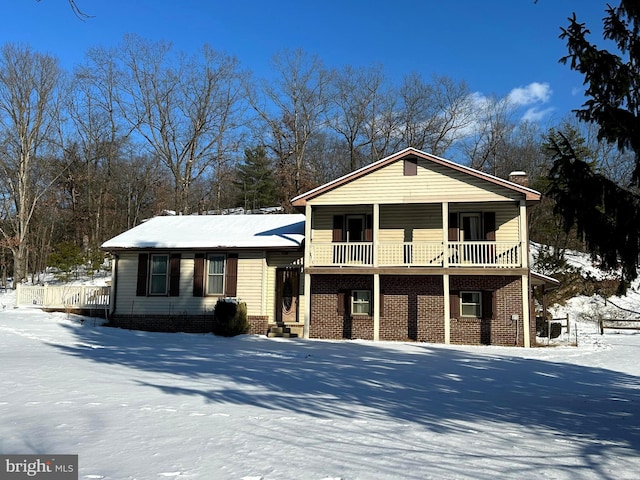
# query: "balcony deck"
x,y
481,254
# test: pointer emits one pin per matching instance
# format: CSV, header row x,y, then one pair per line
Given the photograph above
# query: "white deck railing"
x,y
418,254
63,296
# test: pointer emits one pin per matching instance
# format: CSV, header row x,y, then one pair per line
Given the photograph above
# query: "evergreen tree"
x,y
607,215
255,180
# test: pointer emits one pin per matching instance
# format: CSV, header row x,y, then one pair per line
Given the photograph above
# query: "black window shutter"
x,y
231,275
338,227
368,229
143,269
342,300
488,304
454,304
453,227
381,304
174,275
198,275
490,226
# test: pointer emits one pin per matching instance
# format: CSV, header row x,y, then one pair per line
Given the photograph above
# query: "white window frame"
x,y
476,305
365,299
155,275
210,275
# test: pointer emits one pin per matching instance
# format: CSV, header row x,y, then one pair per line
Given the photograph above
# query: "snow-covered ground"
x,y
139,405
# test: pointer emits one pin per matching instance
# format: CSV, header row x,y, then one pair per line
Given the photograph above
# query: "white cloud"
x,y
535,114
533,93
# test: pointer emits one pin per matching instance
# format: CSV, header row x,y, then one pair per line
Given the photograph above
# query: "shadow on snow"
x,y
435,387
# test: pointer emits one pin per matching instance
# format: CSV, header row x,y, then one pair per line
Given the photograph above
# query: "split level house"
x,y
411,247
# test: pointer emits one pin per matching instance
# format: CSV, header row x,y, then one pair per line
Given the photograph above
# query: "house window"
x,y
159,273
360,302
355,228
215,275
471,227
471,304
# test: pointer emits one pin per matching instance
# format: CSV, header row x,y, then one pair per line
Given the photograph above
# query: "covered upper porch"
x,y
475,234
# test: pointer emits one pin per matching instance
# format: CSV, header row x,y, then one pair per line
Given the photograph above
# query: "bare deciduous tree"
x,y
29,107
293,111
187,109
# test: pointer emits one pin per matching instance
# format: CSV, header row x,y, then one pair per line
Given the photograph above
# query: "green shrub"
x,y
230,319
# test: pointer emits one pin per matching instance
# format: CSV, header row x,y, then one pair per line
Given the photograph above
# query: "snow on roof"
x,y
213,231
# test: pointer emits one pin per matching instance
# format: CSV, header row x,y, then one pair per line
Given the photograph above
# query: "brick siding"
x,y
499,330
413,309
181,323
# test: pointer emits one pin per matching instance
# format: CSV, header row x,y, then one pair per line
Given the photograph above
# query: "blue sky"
x,y
498,47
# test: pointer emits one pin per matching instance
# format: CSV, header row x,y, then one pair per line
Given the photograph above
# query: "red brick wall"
x,y
326,320
413,308
181,323
500,330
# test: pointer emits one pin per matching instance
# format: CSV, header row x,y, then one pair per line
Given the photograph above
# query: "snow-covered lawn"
x,y
138,405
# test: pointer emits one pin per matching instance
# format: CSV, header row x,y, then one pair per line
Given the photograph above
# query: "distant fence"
x,y
66,297
618,324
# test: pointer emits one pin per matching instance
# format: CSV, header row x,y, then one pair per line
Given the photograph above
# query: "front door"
x,y
287,284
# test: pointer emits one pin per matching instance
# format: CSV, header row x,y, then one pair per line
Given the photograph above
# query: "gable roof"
x,y
301,200
213,231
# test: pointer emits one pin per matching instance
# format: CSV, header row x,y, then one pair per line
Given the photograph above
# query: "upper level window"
x,y
355,228
215,274
471,227
159,274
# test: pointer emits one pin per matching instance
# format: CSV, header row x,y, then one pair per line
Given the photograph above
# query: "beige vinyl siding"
x,y
410,223
507,217
251,277
186,303
322,222
433,184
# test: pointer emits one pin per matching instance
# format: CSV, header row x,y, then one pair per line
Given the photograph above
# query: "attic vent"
x,y
519,177
410,166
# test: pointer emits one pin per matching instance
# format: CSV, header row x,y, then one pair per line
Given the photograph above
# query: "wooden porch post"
x,y
445,277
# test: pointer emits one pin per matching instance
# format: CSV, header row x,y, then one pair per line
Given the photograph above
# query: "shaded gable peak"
x,y
412,172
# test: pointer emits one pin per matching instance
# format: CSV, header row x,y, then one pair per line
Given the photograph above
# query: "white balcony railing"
x,y
417,254
484,254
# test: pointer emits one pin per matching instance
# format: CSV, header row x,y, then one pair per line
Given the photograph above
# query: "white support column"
x,y
447,309
445,234
376,230
526,313
524,234
445,277
306,314
376,307
376,276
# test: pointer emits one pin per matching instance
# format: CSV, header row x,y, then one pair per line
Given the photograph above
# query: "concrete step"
x,y
282,335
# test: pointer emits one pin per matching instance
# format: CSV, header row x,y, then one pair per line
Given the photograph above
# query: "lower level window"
x,y
159,274
360,302
471,304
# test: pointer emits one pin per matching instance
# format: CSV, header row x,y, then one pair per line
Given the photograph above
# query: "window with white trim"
x,y
159,274
361,302
215,274
471,304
